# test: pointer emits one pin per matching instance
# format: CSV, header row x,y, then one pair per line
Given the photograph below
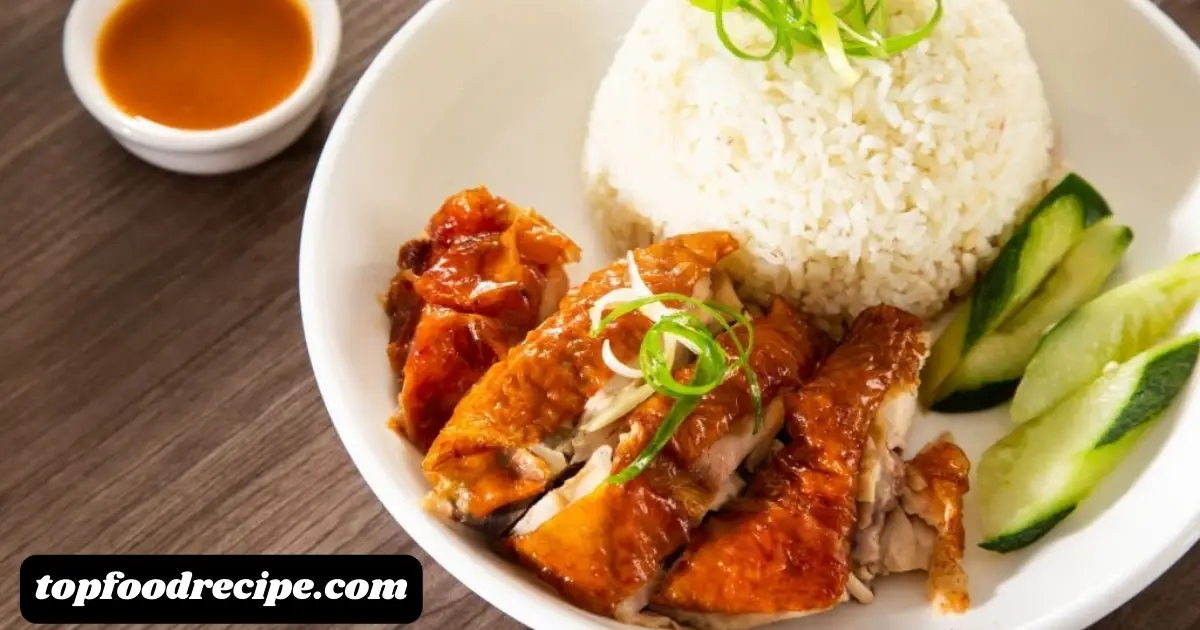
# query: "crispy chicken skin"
x,y
483,459
403,307
605,547
486,274
450,352
783,550
935,482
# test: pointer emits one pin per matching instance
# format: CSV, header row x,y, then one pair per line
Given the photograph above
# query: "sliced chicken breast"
x,y
881,482
604,549
783,550
492,453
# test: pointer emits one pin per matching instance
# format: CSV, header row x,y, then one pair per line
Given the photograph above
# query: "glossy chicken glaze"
x,y
937,481
785,547
480,461
605,547
465,295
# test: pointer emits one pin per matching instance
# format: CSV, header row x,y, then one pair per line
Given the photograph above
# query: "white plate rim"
x,y
507,596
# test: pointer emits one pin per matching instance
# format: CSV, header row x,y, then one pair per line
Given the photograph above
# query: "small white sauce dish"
x,y
207,152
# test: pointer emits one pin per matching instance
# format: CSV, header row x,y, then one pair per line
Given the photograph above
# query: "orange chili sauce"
x,y
203,64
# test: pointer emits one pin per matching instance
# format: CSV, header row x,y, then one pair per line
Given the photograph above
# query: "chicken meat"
x,y
512,435
485,274
603,545
783,550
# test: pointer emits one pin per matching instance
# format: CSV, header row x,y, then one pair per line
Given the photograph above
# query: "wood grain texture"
x,y
155,394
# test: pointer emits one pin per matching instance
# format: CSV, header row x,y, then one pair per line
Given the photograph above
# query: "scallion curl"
x,y
722,314
657,367
706,376
711,368
853,30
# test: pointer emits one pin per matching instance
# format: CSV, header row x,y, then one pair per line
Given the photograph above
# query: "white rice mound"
x,y
894,190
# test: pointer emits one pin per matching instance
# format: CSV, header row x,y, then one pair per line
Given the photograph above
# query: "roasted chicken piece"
x,y
486,273
903,526
450,352
603,545
783,550
511,435
925,532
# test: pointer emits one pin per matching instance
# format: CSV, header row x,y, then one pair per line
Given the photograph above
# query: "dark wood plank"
x,y
1185,12
155,395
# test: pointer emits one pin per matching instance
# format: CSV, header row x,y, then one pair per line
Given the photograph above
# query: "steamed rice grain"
x,y
895,190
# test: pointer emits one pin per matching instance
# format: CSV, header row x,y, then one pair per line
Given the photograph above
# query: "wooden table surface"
x,y
155,394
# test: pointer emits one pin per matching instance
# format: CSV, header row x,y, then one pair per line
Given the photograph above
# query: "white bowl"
x,y
206,152
432,116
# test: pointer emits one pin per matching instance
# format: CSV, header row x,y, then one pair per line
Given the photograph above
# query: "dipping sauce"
x,y
203,64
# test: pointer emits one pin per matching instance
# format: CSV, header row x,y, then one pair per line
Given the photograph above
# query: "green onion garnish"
x,y
712,367
656,366
854,30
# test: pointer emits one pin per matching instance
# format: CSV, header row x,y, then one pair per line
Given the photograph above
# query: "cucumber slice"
x,y
1034,250
1111,328
1035,477
945,355
988,375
